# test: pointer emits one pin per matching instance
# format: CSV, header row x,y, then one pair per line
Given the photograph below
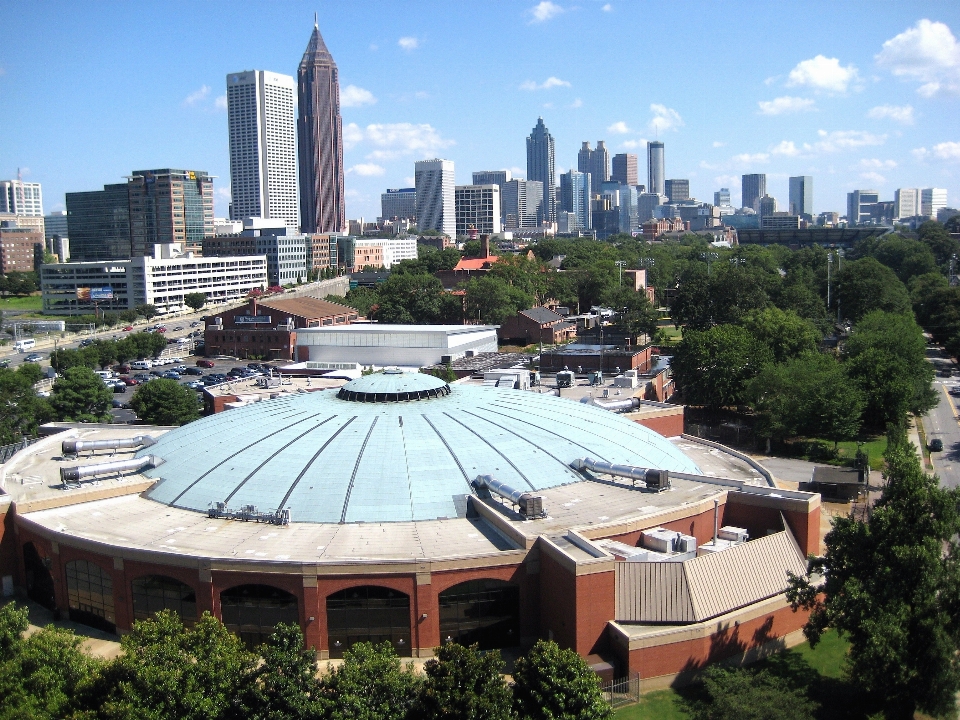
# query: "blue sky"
x,y
856,94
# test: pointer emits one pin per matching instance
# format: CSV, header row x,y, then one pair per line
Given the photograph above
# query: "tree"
x,y
935,236
146,310
743,694
886,358
370,685
891,585
493,300
362,299
41,676
165,402
783,331
636,316
408,299
168,671
61,360
284,686
907,258
23,412
463,684
195,300
810,395
551,683
865,285
712,367
80,396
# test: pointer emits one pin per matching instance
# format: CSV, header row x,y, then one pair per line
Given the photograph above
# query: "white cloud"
x,y
898,113
748,158
877,164
221,102
840,140
607,8
927,53
374,47
367,169
517,172
197,95
222,193
408,43
391,141
947,150
544,11
920,153
619,128
874,178
785,147
717,143
576,103
785,104
664,118
353,96
550,82
410,181
631,144
823,73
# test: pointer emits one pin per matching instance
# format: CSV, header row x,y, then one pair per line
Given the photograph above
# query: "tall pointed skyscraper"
x,y
321,140
541,167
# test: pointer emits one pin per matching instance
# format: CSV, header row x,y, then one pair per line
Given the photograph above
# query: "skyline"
x,y
866,111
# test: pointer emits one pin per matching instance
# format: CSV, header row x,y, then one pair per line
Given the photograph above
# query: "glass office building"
x,y
99,223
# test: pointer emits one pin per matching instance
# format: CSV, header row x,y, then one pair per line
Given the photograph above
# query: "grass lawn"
x,y
875,447
31,302
819,670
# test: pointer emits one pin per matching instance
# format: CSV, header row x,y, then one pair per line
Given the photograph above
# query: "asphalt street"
x,y
941,422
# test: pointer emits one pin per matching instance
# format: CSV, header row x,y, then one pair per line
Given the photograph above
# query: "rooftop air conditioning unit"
x,y
469,353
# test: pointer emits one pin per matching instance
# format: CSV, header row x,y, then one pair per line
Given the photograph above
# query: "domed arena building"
x,y
401,508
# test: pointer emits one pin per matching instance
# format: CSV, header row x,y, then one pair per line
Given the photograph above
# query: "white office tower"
x,y
263,146
906,203
478,209
436,204
21,198
931,200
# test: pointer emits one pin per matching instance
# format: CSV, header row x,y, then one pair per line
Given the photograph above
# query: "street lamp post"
x,y
829,265
839,258
620,264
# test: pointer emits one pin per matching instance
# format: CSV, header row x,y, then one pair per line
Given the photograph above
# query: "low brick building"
x,y
538,324
21,249
267,329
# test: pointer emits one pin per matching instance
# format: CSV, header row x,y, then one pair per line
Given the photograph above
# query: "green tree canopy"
x,y
744,694
907,258
551,683
195,300
370,685
783,331
712,367
23,412
165,402
361,299
80,396
892,587
409,299
863,286
809,395
463,684
886,358
146,310
493,300
937,238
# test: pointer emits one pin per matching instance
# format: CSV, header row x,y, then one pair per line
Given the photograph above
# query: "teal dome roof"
x,y
366,454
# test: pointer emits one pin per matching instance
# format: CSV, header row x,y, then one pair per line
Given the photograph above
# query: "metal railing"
x,y
8,451
622,692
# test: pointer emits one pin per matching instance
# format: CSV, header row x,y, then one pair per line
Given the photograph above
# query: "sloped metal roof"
x,y
330,460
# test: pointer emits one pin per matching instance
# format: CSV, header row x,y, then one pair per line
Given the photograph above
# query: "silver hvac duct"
x,y
75,447
615,406
530,505
653,477
78,473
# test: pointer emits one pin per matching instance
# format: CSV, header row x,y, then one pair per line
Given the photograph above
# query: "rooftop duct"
x,y
75,447
530,505
78,473
654,478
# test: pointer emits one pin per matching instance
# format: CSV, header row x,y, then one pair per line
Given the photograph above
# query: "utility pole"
x,y
620,264
829,265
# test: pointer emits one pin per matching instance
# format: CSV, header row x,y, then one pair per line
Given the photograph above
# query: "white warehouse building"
x,y
411,346
83,288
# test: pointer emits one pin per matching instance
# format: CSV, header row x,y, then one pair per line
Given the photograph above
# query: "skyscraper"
x,y
21,198
677,190
522,203
492,177
801,196
722,197
753,187
99,223
169,206
398,203
320,132
478,209
906,203
263,146
931,200
860,206
625,169
541,167
596,162
436,202
656,174
575,197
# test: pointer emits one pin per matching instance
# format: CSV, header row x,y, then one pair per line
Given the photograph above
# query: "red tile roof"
x,y
476,263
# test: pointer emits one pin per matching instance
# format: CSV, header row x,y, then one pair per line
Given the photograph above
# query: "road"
x,y
942,421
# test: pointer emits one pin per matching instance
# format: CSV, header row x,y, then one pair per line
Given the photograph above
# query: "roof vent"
x,y
393,385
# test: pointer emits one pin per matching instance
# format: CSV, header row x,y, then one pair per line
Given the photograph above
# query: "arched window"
x,y
153,593
486,612
252,611
90,595
368,613
39,579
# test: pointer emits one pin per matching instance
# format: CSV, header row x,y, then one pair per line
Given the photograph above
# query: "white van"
x,y
141,365
26,344
104,374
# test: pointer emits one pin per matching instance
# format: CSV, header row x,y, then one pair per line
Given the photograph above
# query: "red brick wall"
x,y
9,562
692,655
669,426
558,611
700,526
758,520
595,607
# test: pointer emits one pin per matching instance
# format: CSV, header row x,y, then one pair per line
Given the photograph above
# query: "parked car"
x,y
120,404
196,323
119,387
122,368
86,342
170,375
128,328
127,380
206,363
936,445
161,330
33,358
192,371
142,378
